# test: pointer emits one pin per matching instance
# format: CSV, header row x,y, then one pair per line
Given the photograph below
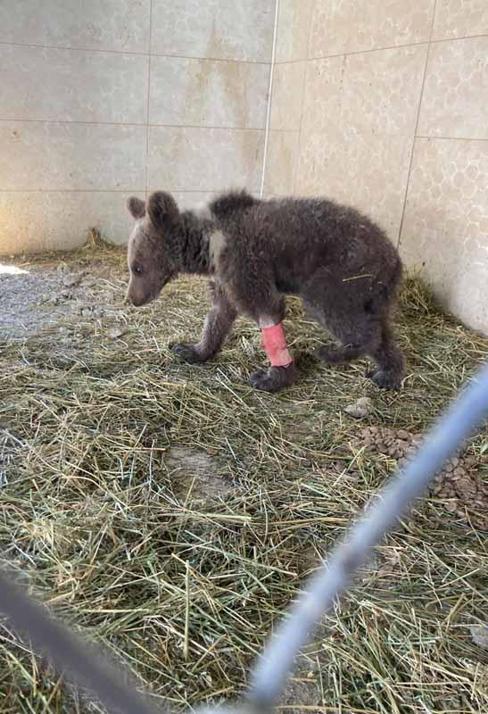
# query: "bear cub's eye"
x,y
137,269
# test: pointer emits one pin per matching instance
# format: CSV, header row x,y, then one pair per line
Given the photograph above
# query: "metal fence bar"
x,y
90,669
458,423
86,666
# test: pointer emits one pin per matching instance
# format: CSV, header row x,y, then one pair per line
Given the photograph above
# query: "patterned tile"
x,y
365,171
376,92
460,18
445,230
455,97
342,26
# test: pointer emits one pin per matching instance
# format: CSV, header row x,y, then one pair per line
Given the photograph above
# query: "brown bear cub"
x,y
256,251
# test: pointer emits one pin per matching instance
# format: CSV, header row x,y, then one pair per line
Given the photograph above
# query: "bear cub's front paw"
x,y
187,353
274,378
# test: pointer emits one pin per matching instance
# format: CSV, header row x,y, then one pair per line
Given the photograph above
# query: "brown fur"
x,y
337,260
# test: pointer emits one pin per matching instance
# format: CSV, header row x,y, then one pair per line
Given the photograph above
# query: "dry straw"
x,y
170,512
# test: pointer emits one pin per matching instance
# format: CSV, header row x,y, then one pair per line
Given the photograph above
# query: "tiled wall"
x,y
379,103
102,99
384,104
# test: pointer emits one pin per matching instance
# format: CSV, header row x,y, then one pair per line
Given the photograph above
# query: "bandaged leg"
x,y
282,371
274,344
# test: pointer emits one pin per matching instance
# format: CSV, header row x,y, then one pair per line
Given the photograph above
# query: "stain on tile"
x,y
192,92
214,29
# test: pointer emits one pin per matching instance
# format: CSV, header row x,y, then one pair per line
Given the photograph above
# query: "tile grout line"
x,y
387,47
270,99
105,190
70,190
433,137
141,124
414,136
133,53
146,159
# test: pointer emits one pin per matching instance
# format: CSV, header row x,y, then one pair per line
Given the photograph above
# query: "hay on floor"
x,y
170,512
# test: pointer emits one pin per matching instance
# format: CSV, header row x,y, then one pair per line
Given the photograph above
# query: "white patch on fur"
x,y
265,321
135,229
216,245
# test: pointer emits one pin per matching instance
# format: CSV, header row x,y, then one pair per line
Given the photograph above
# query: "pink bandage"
x,y
274,344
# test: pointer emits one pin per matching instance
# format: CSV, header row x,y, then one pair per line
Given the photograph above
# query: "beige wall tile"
x,y
322,93
366,171
293,30
193,159
208,93
287,95
73,122
214,29
35,221
54,220
121,25
460,18
72,85
281,162
358,123
455,97
374,92
342,26
48,156
445,230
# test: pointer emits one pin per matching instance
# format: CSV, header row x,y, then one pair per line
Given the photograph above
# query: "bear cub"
x,y
255,252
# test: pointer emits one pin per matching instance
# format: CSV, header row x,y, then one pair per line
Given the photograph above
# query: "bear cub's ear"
x,y
137,207
162,209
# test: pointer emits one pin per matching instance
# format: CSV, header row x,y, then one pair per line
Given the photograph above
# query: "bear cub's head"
x,y
150,254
